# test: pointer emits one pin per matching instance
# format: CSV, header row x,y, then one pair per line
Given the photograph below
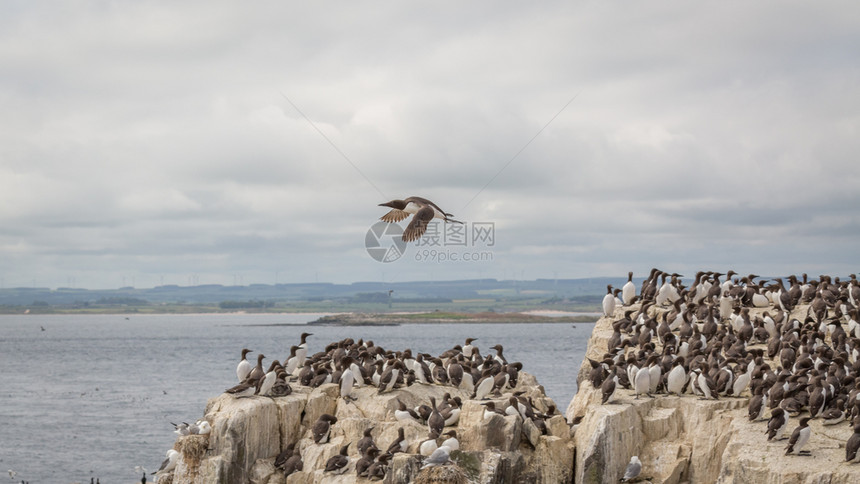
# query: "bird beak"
x,y
386,204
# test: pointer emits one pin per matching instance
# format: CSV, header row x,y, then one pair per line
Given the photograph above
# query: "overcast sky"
x,y
148,143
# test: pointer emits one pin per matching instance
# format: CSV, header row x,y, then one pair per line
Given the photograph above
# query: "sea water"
x,y
92,396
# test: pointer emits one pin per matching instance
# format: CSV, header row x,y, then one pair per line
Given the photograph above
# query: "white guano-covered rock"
x,y
685,439
248,433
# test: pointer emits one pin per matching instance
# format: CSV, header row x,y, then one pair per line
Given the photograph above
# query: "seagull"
x,y
424,211
181,429
169,463
633,469
440,456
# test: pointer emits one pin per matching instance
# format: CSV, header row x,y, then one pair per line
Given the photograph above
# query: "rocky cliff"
x,y
686,439
248,433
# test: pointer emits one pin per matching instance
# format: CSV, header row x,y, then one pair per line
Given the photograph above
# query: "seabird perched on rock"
x,y
799,438
281,388
322,428
169,463
628,290
338,462
294,463
295,363
451,442
399,444
758,404
634,468
852,445
468,347
268,380
405,413
377,470
424,211
706,384
609,386
366,442
389,377
777,424
285,454
642,382
490,409
608,302
347,378
244,389
677,377
257,373
427,447
244,366
181,429
499,356
834,415
484,385
440,456
363,464
436,423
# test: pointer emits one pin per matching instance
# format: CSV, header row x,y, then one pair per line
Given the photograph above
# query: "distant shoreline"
x,y
438,317
361,318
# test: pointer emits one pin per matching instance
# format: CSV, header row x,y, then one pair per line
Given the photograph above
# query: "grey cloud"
x,y
154,139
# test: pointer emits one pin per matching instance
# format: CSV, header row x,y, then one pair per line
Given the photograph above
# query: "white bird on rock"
x,y
634,468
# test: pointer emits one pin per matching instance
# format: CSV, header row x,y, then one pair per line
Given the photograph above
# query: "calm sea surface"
x,y
92,396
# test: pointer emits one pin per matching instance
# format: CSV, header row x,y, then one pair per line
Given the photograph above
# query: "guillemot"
x,y
424,211
244,367
322,428
436,422
799,438
851,446
337,463
776,425
628,291
400,444
608,302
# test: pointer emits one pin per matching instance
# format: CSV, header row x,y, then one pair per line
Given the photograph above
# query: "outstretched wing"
x,y
418,225
394,216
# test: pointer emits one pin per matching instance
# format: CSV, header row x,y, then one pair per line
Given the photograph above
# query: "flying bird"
x,y
424,211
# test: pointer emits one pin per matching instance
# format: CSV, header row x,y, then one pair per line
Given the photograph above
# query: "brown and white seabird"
x,y
294,463
852,445
424,211
399,444
322,428
337,463
244,367
799,438
366,442
436,422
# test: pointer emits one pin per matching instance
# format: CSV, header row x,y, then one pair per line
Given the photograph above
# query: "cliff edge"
x,y
687,439
248,433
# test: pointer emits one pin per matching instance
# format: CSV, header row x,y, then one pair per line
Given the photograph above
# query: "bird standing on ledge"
x,y
424,211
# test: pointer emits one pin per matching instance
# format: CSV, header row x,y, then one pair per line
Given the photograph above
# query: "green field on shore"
x,y
455,308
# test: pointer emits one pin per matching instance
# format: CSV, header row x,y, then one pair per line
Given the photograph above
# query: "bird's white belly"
x,y
411,207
